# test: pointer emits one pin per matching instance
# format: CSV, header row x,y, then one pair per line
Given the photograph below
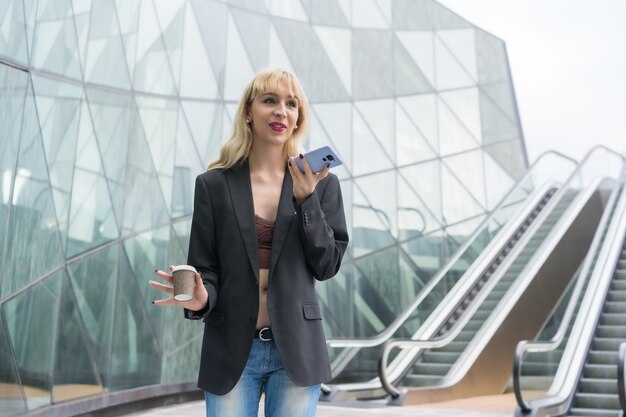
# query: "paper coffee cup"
x,y
184,279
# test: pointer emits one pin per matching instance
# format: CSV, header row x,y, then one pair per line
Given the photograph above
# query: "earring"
x,y
247,120
296,126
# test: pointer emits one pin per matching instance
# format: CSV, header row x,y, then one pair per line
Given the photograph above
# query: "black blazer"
x,y
308,245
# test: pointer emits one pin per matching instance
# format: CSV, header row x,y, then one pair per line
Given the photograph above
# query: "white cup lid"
x,y
184,268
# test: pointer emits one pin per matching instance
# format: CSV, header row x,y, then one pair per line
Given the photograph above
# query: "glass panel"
x,y
55,46
135,356
75,371
13,85
372,59
422,110
336,120
326,13
450,73
254,29
337,45
153,69
424,15
105,45
12,400
171,16
369,156
128,18
465,105
468,168
291,9
13,31
369,15
491,58
32,318
187,166
278,56
204,121
239,68
509,155
408,78
94,280
380,191
319,137
421,47
197,77
36,246
461,44
453,134
410,144
371,229
425,179
458,203
378,115
414,217
496,125
499,181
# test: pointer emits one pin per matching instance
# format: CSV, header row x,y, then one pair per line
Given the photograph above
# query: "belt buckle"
x,y
261,334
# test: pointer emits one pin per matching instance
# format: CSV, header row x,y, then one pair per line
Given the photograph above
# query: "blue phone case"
x,y
318,158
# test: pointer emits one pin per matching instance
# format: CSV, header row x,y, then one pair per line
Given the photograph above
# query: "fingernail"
x,y
156,270
328,165
153,302
301,156
289,163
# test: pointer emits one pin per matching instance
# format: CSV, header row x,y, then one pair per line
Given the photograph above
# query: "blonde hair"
x,y
237,148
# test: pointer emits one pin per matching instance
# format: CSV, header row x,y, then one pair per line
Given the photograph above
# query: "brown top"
x,y
264,235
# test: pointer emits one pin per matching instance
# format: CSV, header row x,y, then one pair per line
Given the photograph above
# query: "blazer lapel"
x,y
241,197
284,218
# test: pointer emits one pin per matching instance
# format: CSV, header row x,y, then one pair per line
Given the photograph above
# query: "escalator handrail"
x,y
399,321
550,345
570,366
621,377
464,319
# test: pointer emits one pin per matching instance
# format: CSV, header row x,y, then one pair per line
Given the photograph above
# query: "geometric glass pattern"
x,y
109,110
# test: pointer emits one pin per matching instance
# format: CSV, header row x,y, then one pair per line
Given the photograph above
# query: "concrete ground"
x,y
491,406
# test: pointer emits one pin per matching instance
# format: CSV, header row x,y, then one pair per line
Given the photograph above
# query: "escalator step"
x,y
421,380
607,344
439,357
439,369
611,331
600,371
593,400
614,307
587,412
455,346
615,295
613,318
618,284
600,386
599,357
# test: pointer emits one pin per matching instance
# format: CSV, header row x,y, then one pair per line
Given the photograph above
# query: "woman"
x,y
262,233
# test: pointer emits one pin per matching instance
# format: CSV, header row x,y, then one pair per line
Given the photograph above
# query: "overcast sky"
x,y
568,62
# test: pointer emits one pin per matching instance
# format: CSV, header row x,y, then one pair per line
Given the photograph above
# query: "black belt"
x,y
264,334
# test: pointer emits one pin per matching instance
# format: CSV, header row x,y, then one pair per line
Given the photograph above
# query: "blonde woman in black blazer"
x,y
262,234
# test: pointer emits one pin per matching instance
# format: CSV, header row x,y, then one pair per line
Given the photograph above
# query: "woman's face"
x,y
273,116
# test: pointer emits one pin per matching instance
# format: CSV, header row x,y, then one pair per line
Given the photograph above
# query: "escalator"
x,y
586,381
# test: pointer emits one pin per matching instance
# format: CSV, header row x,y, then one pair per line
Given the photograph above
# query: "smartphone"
x,y
318,158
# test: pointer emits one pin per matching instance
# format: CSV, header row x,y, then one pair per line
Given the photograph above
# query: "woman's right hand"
x,y
197,303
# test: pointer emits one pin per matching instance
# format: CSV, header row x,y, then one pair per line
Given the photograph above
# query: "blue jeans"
x,y
264,372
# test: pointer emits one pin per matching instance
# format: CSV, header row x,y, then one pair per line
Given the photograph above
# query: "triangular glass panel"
x,y
422,110
468,167
369,156
59,129
128,17
290,9
336,121
153,69
197,77
369,15
110,114
182,361
159,118
96,301
500,181
461,43
450,73
254,29
496,124
75,370
135,355
411,146
187,165
144,201
326,13
425,180
105,46
14,85
254,5
239,70
319,137
171,16
33,343
381,192
372,59
424,15
277,55
491,58
12,398
368,308
182,229
92,220
30,18
510,156
454,136
502,95
378,115
55,47
13,31
421,47
212,20
408,78
33,216
204,120
382,286
460,232
427,254
464,103
458,203
337,44
82,20
371,230
414,217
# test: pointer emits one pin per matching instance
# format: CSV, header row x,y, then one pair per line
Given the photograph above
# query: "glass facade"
x,y
109,109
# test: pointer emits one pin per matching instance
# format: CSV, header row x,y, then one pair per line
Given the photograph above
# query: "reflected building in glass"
x,y
108,111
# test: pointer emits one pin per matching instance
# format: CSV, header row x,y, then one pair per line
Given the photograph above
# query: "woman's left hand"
x,y
304,183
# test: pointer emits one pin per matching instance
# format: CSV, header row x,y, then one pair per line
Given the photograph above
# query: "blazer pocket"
x,y
312,312
214,319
